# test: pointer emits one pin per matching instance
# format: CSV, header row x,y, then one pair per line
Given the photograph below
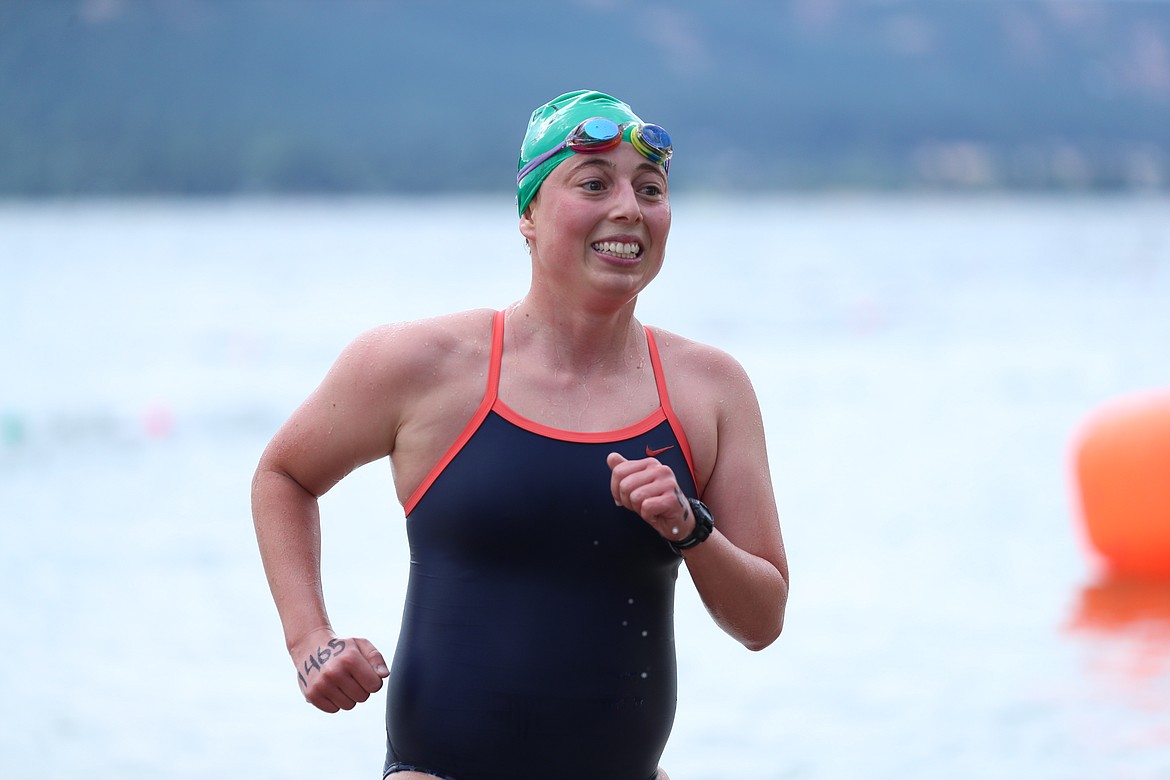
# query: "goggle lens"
x,y
595,135
653,142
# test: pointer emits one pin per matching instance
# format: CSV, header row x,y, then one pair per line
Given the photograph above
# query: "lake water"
x,y
922,364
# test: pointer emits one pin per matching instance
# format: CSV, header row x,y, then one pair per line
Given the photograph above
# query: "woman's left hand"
x,y
649,489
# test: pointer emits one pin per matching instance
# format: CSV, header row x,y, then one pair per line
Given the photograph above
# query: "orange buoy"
x,y
1123,473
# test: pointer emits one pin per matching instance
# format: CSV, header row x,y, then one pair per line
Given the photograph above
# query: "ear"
x,y
527,224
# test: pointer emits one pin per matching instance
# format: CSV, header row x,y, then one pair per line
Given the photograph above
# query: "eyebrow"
x,y
602,162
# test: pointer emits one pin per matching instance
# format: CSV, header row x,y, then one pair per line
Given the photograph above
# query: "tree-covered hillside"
x,y
230,96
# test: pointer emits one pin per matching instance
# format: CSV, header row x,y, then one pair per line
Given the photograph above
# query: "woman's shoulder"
x,y
408,351
711,394
432,336
695,359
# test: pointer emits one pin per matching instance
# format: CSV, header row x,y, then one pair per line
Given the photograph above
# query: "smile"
x,y
626,251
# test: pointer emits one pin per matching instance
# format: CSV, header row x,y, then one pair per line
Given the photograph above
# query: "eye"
x,y
652,190
593,185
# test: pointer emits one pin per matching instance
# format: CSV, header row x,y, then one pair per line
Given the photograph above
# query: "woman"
x,y
550,459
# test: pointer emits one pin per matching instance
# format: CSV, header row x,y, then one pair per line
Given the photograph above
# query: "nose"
x,y
625,206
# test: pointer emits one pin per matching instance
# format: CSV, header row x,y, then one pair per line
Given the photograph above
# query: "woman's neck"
x,y
573,339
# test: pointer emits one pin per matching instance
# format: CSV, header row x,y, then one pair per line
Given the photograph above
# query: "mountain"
x,y
114,97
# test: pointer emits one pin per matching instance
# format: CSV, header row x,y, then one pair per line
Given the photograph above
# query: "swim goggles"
x,y
600,135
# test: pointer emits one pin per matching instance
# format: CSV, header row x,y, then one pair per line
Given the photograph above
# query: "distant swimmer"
x,y
556,462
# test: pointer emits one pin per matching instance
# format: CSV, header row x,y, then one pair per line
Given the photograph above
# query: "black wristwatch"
x,y
704,525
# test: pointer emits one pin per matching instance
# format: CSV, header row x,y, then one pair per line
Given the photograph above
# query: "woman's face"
x,y
599,224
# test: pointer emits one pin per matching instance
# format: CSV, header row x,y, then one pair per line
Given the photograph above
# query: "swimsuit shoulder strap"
x,y
659,374
664,401
497,358
485,406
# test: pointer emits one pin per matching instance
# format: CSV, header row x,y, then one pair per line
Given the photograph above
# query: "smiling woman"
x,y
568,482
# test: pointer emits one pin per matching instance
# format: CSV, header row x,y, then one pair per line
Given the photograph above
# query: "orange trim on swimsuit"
x,y
491,403
667,409
485,406
583,437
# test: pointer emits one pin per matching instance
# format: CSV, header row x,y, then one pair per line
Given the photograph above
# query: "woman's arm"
x,y
288,530
349,420
740,571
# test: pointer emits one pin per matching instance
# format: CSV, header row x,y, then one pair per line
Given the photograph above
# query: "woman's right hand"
x,y
336,673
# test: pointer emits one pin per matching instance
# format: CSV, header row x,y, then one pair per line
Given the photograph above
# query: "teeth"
x,y
621,249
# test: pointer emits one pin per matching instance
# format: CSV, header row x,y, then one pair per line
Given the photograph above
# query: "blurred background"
x,y
110,97
937,235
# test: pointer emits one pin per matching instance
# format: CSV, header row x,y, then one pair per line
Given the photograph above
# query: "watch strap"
x,y
704,525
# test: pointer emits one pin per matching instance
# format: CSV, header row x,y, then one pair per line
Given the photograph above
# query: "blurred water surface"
x,y
922,366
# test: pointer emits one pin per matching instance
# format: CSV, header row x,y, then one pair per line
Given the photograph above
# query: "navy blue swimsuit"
x,y
537,637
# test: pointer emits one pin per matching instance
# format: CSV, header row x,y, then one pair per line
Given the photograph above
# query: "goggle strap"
x,y
530,167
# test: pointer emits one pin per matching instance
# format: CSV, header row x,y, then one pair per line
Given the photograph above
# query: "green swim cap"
x,y
552,123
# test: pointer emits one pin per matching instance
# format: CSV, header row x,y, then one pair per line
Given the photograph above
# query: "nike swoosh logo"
x,y
651,453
